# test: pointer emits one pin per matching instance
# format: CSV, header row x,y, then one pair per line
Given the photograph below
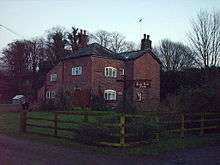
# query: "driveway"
x,y
25,152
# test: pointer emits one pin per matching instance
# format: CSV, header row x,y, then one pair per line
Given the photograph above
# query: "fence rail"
x,y
205,121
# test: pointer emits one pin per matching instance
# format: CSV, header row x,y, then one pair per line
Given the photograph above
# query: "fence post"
x,y
23,121
202,123
55,124
122,130
182,125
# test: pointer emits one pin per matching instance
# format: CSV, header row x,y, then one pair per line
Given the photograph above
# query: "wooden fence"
x,y
162,122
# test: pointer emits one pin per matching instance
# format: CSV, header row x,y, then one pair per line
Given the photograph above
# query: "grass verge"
x,y
9,125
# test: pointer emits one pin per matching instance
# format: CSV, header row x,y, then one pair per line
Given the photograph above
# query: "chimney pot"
x,y
84,32
81,31
146,43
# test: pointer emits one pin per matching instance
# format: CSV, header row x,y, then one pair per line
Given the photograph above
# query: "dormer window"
x,y
110,72
53,77
77,70
110,94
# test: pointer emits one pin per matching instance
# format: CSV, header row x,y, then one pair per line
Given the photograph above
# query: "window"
x,y
50,94
122,72
77,70
110,95
139,96
53,77
110,72
77,88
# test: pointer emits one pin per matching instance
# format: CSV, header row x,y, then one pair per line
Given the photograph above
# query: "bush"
x,y
48,106
91,134
142,128
201,99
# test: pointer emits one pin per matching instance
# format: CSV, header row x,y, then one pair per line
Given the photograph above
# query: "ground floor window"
x,y
50,94
110,94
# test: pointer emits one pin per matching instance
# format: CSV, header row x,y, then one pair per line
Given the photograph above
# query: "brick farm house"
x,y
94,71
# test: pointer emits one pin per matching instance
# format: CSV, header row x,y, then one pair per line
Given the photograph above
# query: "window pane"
x,y
106,96
80,70
110,72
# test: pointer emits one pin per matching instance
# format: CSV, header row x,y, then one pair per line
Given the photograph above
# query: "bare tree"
x,y
102,37
130,46
204,38
175,55
113,40
117,42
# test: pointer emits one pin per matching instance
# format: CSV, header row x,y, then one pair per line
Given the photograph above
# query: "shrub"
x,y
201,99
91,134
142,128
48,106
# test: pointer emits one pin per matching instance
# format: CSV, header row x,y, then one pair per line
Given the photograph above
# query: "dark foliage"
x,y
173,82
202,99
48,106
91,134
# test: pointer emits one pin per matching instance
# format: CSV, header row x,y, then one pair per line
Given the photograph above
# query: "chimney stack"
x,y
146,43
83,39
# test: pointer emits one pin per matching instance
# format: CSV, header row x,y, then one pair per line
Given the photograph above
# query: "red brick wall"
x,y
70,81
54,85
146,67
129,73
99,81
51,86
82,81
93,79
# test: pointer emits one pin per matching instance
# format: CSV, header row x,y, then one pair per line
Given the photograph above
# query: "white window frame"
x,y
50,94
76,71
122,72
110,72
110,94
53,77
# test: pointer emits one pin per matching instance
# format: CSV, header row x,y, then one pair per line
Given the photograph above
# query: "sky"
x,y
161,18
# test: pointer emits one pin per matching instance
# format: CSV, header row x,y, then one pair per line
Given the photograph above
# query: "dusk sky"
x,y
161,18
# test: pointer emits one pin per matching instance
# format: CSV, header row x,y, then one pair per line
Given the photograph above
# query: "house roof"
x,y
98,50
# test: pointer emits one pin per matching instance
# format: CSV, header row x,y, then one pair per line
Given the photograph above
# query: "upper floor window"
x,y
122,71
53,77
50,94
110,95
110,72
77,70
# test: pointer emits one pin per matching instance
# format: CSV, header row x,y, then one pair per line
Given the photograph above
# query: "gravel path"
x,y
25,152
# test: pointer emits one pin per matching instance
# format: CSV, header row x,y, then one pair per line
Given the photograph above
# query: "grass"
x,y
79,119
9,125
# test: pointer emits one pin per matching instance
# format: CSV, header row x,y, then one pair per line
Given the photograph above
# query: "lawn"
x,y
9,125
93,118
9,122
